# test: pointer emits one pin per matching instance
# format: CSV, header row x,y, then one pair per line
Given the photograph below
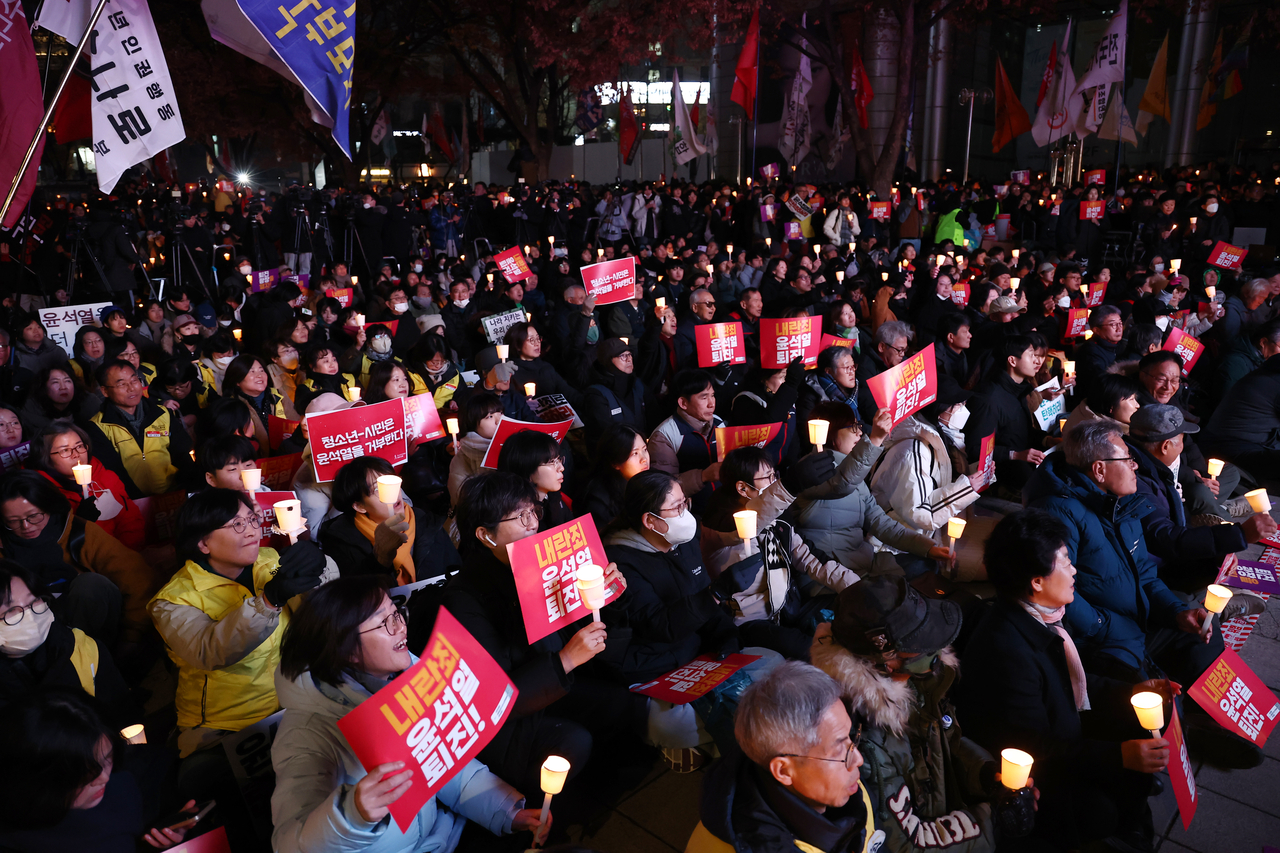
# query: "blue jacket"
x,y
1119,598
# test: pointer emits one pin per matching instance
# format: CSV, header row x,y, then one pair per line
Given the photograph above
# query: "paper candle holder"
x,y
251,478
83,474
1216,597
503,351
530,389
1015,768
745,521
1150,710
288,515
955,527
591,585
136,733
389,488
1259,500
1215,468
818,432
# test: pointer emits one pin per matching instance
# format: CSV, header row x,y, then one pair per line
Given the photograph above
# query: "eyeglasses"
x,y
33,520
847,761
14,615
902,351
393,623
68,452
1120,459
528,517
241,525
1164,381
683,506
624,356
557,462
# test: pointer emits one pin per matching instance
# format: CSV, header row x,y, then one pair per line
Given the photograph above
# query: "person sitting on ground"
x,y
792,780
1095,355
62,446
621,453
536,457
684,444
615,394
481,414
144,444
322,375
1114,397
222,459
55,394
1000,406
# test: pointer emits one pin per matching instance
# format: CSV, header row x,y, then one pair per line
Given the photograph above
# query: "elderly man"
x,y
1099,352
794,785
891,340
1127,622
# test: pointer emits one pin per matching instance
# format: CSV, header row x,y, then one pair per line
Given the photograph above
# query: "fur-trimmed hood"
x,y
886,703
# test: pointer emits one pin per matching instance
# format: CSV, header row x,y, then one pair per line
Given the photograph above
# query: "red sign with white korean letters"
x,y
1092,210
338,437
1077,322
783,340
752,435
1227,256
422,418
720,342
546,566
1236,698
508,427
908,387
1186,347
1181,773
695,679
611,281
512,264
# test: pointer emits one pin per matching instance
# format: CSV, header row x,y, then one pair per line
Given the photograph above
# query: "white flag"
x,y
1107,65
379,130
68,18
839,136
685,144
1060,110
796,126
1117,124
135,113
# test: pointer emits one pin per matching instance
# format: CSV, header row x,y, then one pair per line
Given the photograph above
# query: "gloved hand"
x,y
795,373
388,537
812,470
300,569
88,509
504,370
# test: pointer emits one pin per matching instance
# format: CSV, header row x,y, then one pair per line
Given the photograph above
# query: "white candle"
x,y
289,518
136,733
818,432
389,488
1216,597
452,425
252,478
1150,710
1215,467
591,586
745,521
353,393
1258,500
554,772
84,477
1015,768
359,321
661,302
238,334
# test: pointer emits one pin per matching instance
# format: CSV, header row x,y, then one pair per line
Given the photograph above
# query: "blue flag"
x,y
318,44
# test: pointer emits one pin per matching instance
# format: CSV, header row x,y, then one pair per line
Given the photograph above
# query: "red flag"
x,y
748,72
862,91
439,138
72,118
693,110
22,106
1047,80
1011,117
628,129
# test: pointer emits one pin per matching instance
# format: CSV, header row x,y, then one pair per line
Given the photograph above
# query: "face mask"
x,y
367,206
381,344
461,303
679,529
226,227
1159,267
593,335
224,322
1064,301
959,417
921,665
400,307
1211,208
27,636
417,267
1162,323
223,362
290,362
422,301
942,297
245,269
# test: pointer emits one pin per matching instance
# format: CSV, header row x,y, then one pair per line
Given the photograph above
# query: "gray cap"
x,y
1046,267
1159,422
1006,305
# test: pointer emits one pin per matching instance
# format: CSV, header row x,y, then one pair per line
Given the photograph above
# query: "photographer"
x,y
294,221
258,235
368,220
106,238
193,252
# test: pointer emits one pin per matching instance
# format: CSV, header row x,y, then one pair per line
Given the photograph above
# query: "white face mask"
x,y
679,529
1064,301
1211,208
1162,323
400,307
224,322
27,636
245,269
367,205
461,303
417,267
223,362
959,417
1158,267
944,297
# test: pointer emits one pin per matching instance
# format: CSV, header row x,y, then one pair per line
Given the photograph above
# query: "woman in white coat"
x,y
346,642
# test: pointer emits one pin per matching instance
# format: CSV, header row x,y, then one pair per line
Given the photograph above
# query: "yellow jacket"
x,y
150,466
703,841
225,642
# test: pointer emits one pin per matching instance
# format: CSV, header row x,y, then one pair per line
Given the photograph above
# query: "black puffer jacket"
x,y
1000,407
433,552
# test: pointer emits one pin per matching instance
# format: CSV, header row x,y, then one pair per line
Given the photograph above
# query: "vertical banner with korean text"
x,y
1097,292
610,281
720,342
435,717
340,436
783,340
908,387
1186,347
1181,773
546,566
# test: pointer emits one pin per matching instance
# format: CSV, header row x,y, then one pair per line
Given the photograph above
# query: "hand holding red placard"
x,y
422,418
985,474
1181,773
1236,698
695,679
545,567
508,427
878,210
338,437
753,435
1092,210
960,293
611,281
783,340
1077,322
720,342
1226,256
1186,347
1097,292
435,717
908,387
512,264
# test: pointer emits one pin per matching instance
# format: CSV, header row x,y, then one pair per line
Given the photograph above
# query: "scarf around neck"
x,y
1052,619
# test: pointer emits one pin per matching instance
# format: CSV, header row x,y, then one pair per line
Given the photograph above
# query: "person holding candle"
x,y
835,379
57,450
497,377
1243,428
1096,355
433,371
481,414
537,457
526,344
222,459
346,641
620,454
1024,686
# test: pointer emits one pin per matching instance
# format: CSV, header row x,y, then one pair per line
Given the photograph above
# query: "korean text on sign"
x,y
508,427
1235,697
754,435
1226,256
720,342
784,340
512,264
695,679
1077,322
1255,577
610,281
546,567
1186,347
435,717
341,436
908,387
61,324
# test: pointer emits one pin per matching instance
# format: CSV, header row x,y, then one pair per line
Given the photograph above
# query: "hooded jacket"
x,y
925,779
914,481
1119,598
313,805
613,398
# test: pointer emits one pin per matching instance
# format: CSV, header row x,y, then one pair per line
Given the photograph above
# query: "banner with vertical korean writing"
x,y
720,342
508,427
1181,773
985,472
695,679
908,387
1092,211
1187,348
783,340
1226,256
435,717
1236,698
422,418
610,281
1077,322
546,566
340,436
512,264
752,435
61,324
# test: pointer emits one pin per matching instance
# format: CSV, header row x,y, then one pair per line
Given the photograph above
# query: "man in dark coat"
x,y
1245,428
1000,406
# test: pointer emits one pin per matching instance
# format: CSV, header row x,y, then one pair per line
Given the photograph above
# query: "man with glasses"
x,y
795,784
891,342
144,444
1099,352
684,445
1000,406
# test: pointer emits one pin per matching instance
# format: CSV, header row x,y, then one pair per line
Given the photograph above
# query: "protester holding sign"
x,y
525,342
834,380
346,642
479,424
1000,406
536,457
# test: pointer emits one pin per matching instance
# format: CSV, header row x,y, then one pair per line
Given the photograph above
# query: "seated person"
x,y
536,457
496,379
402,543
320,361
146,445
621,453
793,777
346,641
684,444
1025,687
1000,406
1114,396
222,459
317,498
481,414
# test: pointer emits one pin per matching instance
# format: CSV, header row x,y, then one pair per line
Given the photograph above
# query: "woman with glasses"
x,y
102,586
535,456
616,395
399,542
526,350
835,379
247,379
560,709
126,350
347,641
87,352
58,449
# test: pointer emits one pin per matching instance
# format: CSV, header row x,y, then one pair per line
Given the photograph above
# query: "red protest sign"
x,y
508,427
1236,698
338,437
1181,772
546,566
695,679
878,210
1095,294
755,435
833,341
720,342
160,515
267,511
783,340
1227,256
1092,210
611,281
343,295
985,474
213,841
1021,177
1077,322
512,264
1188,348
1095,176
278,429
908,387
278,471
422,418
435,717
960,292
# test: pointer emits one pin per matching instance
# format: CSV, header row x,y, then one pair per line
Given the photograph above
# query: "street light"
x,y
968,96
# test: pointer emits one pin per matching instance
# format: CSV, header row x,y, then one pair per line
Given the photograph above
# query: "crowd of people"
x,y
1103,477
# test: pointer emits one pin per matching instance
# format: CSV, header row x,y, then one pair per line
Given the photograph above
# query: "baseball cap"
x,y
1046,267
185,320
1006,305
329,402
1159,422
883,614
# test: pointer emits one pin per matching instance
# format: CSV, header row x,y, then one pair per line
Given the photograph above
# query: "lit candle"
x,y
530,389
1062,425
818,432
884,276
1015,768
355,279
840,275
389,488
591,585
1014,252
817,250
942,260
84,477
251,478
238,334
729,247
136,733
353,393
289,518
551,240
626,341
1193,223
1013,284
1150,710
1258,500
452,425
768,242
1088,333
502,349
661,302
489,276
1210,291
1215,467
359,321
1216,597
955,529
1174,264
851,248
599,254
554,771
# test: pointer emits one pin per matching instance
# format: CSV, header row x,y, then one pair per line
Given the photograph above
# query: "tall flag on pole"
x,y
305,42
21,105
1106,67
1228,74
1060,109
1011,116
439,137
1155,98
683,139
796,124
1209,105
1046,79
747,74
1117,125
628,128
861,85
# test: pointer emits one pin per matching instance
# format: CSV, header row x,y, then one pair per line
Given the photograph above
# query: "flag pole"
x,y
755,106
1123,110
48,113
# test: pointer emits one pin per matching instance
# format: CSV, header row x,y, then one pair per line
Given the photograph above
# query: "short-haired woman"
x,y
536,457
247,379
481,414
346,642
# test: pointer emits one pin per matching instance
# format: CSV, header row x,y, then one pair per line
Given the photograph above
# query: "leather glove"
x,y
504,370
1015,813
795,373
88,509
388,537
812,470
299,571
